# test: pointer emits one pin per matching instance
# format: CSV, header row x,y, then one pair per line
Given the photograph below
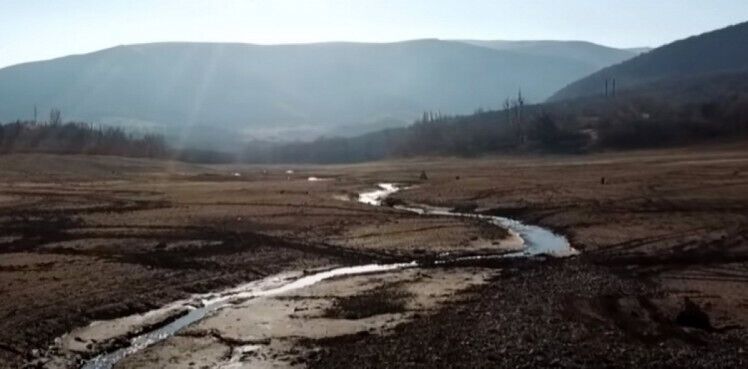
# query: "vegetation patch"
x,y
491,231
389,299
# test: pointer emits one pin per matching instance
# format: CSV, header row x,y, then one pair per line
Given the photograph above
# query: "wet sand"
x,y
268,332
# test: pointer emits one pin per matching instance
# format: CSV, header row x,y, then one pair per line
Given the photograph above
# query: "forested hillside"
x,y
77,138
719,51
216,95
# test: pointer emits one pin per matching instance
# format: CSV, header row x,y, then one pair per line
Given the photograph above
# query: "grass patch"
x,y
381,300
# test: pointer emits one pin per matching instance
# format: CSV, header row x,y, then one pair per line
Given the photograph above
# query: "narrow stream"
x,y
210,302
537,240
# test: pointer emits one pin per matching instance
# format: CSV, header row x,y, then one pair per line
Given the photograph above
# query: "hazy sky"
x,y
41,29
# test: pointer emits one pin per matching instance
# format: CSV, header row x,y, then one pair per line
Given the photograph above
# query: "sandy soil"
x,y
267,332
90,238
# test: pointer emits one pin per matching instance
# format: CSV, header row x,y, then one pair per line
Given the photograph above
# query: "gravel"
x,y
559,315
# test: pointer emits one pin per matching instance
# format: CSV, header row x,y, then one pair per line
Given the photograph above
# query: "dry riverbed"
x,y
107,238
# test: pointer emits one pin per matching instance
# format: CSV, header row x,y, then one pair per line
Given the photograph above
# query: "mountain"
x,y
594,55
227,93
639,50
702,88
713,53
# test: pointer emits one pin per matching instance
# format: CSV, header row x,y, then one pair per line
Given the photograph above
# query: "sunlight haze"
x,y
373,184
41,29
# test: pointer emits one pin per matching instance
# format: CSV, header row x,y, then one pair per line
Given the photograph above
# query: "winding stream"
x,y
537,241
210,302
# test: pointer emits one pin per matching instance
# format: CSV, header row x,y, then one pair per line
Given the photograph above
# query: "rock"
x,y
392,202
692,316
465,208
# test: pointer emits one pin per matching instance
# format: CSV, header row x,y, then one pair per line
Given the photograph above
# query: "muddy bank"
x,y
104,344
114,237
71,297
517,239
267,332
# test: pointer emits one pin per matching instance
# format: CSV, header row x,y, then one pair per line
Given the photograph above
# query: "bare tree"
x,y
520,128
508,111
55,117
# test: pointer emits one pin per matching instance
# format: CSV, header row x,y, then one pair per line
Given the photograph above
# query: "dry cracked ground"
x,y
661,281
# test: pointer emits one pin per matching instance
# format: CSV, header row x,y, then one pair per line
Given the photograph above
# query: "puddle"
x,y
376,197
318,179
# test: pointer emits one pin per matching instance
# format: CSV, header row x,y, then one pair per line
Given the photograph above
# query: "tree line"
x,y
625,121
55,137
620,122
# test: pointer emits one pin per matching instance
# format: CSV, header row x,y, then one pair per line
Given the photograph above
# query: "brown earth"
x,y
662,227
85,238
91,238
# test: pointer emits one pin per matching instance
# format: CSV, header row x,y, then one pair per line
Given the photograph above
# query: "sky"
x,y
42,29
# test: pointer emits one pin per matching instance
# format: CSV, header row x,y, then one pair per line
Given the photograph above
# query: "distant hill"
x,y
594,55
713,53
639,50
227,93
701,88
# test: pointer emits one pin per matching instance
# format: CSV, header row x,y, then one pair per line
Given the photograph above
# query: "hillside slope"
x,y
594,55
719,51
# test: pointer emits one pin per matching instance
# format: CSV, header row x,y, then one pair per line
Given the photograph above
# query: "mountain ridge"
x,y
711,52
251,90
